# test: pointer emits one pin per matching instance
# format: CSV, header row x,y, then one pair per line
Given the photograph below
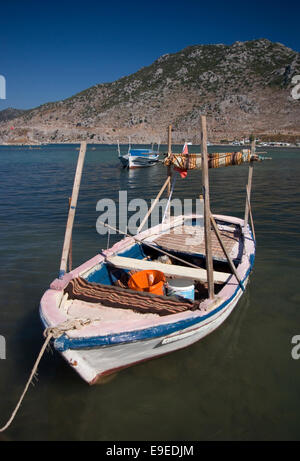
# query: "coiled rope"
x,y
49,333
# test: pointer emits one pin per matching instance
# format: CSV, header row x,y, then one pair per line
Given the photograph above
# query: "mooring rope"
x,y
49,333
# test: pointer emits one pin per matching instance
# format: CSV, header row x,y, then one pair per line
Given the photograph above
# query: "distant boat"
x,y
138,158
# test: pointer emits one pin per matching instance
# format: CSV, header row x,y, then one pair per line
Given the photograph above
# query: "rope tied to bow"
x,y
49,333
68,325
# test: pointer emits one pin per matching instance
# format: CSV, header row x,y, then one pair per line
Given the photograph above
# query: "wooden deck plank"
x,y
168,269
190,239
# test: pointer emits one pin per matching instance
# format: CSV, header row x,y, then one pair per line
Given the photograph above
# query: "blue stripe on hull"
x,y
64,343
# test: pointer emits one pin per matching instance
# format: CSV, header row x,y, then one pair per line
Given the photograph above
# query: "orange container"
x,y
150,281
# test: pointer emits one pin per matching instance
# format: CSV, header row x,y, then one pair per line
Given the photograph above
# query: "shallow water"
x,y
239,383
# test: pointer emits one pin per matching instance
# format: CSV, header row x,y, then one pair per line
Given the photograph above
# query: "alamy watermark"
x,y
2,87
128,216
296,349
2,348
296,90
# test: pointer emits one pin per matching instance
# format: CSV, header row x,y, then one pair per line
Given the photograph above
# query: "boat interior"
x,y
178,253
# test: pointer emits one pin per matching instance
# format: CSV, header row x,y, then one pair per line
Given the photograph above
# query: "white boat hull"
x,y
96,363
106,346
131,161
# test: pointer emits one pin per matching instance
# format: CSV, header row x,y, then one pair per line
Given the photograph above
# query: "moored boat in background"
x,y
138,158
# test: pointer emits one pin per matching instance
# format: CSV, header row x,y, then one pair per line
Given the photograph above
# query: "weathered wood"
x,y
167,181
169,168
249,186
230,262
190,240
70,221
207,225
250,212
168,269
169,140
70,251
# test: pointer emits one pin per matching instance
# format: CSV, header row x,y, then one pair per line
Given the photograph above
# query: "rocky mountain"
x,y
242,88
10,114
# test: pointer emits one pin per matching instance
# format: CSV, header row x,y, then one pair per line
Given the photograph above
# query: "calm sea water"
x,y
239,383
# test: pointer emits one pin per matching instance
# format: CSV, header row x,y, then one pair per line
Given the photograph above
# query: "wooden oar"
x,y
72,209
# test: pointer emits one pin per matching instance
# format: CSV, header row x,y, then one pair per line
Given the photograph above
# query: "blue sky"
x,y
52,50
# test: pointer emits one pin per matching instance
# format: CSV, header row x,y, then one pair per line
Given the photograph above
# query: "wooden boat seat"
x,y
168,269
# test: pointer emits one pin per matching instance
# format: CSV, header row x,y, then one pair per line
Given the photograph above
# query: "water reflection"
x,y
240,382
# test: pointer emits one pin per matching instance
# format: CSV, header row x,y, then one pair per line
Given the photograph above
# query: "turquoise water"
x,y
239,383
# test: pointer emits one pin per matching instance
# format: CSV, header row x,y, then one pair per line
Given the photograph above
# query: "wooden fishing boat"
x,y
128,327
108,326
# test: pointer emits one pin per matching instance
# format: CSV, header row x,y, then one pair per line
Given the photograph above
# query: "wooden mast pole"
x,y
249,185
169,171
169,168
207,213
72,209
70,251
169,140
167,181
250,212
